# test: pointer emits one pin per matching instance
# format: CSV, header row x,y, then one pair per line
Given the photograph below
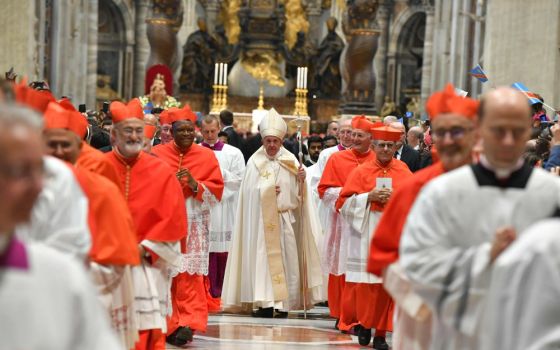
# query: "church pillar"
x,y
142,47
314,19
91,74
381,57
162,33
427,88
361,25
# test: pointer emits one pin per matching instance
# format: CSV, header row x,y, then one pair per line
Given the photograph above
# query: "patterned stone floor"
x,y
239,332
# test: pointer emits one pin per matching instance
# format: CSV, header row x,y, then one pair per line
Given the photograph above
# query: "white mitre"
x,y
273,125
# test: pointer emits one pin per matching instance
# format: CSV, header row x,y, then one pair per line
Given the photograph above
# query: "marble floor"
x,y
240,332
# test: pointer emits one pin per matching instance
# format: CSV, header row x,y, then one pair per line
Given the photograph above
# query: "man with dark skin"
x,y
202,184
315,146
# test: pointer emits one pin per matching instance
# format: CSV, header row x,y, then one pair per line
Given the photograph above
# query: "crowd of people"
x,y
124,228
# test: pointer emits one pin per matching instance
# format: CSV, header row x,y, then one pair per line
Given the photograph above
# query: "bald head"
x,y
414,135
151,119
388,120
505,126
399,126
504,98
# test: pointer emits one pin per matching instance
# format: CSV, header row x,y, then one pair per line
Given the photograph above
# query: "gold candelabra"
x,y
261,95
301,102
219,100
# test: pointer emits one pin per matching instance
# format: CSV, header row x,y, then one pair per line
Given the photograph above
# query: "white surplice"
x,y
52,305
359,232
222,215
60,214
445,246
523,310
152,284
247,278
325,209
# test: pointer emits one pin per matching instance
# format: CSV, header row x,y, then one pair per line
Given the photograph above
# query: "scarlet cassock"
x,y
190,307
273,252
364,301
333,254
160,223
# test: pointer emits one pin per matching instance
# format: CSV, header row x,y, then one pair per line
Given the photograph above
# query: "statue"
x,y
198,61
158,97
388,108
327,80
413,106
104,90
226,53
299,56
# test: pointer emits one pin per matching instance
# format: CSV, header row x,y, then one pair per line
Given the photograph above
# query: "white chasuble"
x,y
445,247
265,267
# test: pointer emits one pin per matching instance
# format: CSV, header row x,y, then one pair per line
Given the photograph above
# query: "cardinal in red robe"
x,y
202,185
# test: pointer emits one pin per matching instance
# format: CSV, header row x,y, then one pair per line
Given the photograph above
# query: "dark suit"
x,y
411,157
251,146
233,137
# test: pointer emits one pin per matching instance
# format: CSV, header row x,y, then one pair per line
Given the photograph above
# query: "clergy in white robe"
x,y
523,310
464,219
273,256
46,299
222,214
64,315
60,214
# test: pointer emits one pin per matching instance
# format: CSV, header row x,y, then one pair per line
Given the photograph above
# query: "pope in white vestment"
x,y
273,254
523,310
60,214
446,242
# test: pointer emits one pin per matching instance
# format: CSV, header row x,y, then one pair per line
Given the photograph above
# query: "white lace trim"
x,y
195,260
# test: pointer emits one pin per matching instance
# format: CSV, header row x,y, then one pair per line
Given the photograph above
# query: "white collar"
x,y
501,173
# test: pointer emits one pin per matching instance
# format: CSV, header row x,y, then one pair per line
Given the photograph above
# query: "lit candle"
x,y
298,84
225,74
215,73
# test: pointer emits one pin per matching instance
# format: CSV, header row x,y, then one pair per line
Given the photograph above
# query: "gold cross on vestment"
x,y
270,226
266,174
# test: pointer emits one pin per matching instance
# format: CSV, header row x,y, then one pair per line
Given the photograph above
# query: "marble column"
x,y
381,56
426,88
92,53
142,47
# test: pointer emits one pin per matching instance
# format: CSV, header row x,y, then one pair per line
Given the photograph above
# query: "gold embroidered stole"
x,y
271,221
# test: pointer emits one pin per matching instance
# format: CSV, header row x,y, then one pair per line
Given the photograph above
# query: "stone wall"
x,y
522,40
18,41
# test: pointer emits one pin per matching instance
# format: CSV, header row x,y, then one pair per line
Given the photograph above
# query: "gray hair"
x,y
11,115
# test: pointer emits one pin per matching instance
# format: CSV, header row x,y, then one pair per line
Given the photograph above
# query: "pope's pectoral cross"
x,y
266,174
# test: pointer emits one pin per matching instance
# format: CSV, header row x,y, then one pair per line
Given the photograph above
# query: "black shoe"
x,y
281,314
364,336
267,312
379,343
336,323
181,337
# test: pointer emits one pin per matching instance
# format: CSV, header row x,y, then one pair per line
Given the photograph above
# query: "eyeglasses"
x,y
384,145
456,133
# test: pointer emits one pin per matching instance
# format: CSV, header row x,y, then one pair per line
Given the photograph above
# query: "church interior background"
x,y
372,57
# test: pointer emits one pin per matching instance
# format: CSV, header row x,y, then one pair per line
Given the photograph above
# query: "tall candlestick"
x,y
215,73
